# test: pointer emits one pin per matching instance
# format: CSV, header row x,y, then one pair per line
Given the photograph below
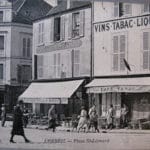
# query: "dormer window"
x,y
122,9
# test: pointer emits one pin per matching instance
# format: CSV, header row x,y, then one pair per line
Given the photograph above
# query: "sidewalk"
x,y
69,129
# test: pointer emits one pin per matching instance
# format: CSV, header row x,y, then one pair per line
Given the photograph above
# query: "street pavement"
x,y
62,139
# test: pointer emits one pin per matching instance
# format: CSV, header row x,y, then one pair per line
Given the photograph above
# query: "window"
x,y
26,48
122,9
146,7
1,16
119,50
24,73
57,29
1,71
146,50
57,65
76,24
76,63
1,42
41,33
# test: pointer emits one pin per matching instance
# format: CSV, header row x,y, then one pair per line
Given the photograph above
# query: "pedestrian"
x,y
110,117
25,117
93,118
3,115
51,118
83,122
124,112
18,123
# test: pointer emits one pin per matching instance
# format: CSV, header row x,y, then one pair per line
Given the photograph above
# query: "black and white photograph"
x,y
74,74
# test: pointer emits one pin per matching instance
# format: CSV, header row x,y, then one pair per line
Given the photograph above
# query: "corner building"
x,y
61,59
121,65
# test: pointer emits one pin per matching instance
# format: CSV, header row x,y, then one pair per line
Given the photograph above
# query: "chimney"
x,y
68,4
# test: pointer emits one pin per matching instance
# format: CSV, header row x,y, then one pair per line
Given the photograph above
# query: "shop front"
x,y
67,97
133,92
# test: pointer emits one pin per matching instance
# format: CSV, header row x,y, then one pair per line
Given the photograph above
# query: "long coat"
x,y
18,122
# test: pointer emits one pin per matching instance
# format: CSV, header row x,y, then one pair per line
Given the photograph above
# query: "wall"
x,y
103,46
65,46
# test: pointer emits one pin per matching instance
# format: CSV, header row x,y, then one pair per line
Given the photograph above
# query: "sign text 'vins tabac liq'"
x,y
129,23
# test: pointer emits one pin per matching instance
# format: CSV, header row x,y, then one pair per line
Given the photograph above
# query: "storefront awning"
x,y
128,85
50,92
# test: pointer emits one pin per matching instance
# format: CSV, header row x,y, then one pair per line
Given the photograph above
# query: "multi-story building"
x,y
121,57
16,46
61,58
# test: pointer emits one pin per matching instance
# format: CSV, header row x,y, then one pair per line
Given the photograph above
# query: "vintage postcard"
x,y
74,74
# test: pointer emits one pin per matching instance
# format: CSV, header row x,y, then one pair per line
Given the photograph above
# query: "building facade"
x,y
61,58
121,57
16,48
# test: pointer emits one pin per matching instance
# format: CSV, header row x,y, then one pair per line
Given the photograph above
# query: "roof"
x,y
26,11
63,6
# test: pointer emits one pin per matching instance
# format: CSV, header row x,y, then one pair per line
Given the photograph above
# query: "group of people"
x,y
90,119
86,120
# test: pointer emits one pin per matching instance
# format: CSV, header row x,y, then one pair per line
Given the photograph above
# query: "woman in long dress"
x,y
83,119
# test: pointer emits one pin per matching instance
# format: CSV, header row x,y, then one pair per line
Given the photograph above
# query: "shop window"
x,y
57,65
41,33
119,51
1,71
57,28
122,9
146,50
1,16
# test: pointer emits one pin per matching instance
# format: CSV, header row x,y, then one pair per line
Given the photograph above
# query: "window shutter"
x,y
145,50
70,26
145,40
24,47
122,65
115,44
76,63
82,20
145,60
52,30
28,47
115,62
42,32
1,71
116,9
122,43
62,30
39,35
122,51
58,65
40,62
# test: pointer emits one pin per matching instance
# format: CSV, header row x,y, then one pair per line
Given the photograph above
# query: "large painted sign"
x,y
132,22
